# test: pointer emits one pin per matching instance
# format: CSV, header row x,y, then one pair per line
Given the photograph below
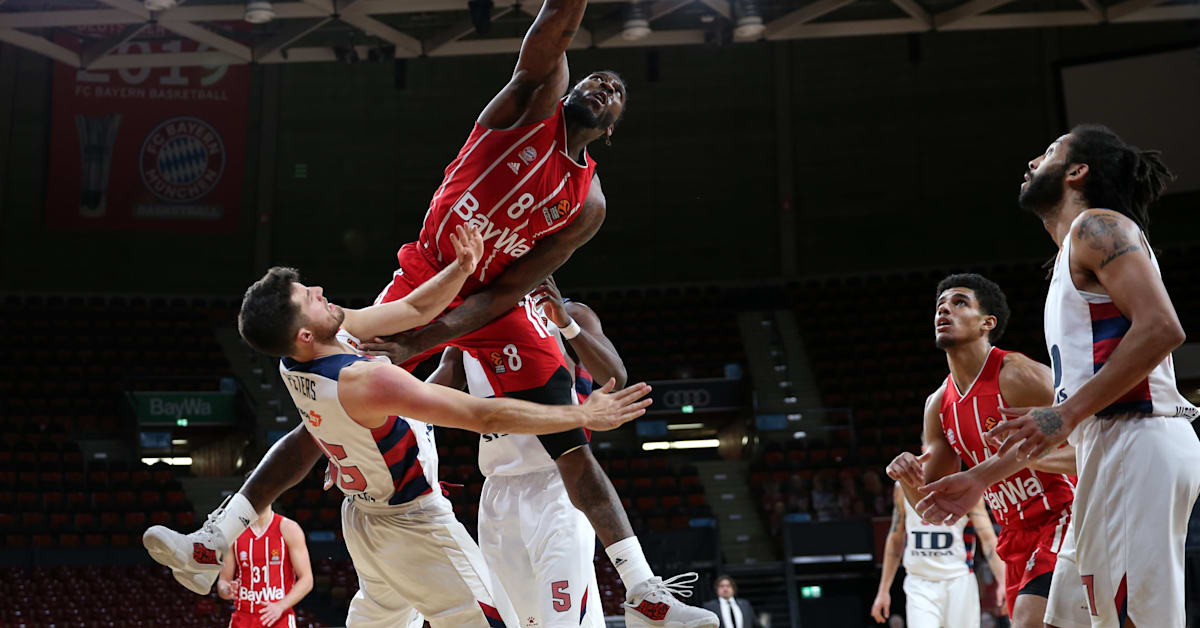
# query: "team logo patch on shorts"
x,y
182,160
497,362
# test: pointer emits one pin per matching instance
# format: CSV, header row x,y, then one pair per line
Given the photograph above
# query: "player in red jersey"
x,y
524,179
270,562
1032,504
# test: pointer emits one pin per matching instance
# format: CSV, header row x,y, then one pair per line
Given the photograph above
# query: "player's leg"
x,y
378,602
422,552
1066,606
1138,481
523,361
923,603
962,602
1029,611
195,559
504,550
554,536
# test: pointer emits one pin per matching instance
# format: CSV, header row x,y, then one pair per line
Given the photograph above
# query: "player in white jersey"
x,y
1110,331
406,545
538,545
939,585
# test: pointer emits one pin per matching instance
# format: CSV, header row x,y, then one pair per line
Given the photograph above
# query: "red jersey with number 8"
x,y
264,571
1024,498
515,186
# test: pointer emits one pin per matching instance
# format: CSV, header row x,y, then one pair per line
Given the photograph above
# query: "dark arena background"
x,y
790,181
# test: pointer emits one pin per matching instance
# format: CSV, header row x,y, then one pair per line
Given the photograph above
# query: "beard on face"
x,y
578,111
1044,192
944,342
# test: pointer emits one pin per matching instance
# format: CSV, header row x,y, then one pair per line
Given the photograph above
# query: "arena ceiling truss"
x,y
110,34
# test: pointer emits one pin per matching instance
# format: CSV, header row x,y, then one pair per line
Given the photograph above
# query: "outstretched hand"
x,y
468,247
949,498
607,410
908,468
1034,431
398,348
547,297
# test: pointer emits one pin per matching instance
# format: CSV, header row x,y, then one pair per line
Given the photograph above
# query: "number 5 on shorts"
x,y
562,599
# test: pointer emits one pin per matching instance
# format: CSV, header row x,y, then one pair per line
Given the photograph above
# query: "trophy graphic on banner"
x,y
96,138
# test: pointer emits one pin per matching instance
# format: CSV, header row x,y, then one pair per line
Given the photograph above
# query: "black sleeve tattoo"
x,y
895,519
1048,421
1103,233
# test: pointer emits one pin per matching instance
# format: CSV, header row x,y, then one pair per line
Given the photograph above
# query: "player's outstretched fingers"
x,y
609,385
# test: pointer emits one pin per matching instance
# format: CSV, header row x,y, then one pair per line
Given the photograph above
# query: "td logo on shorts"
x,y
182,160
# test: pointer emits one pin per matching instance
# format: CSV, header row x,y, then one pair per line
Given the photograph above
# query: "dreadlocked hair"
x,y
1121,177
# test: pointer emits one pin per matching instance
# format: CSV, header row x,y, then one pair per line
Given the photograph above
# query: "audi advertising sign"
x,y
696,395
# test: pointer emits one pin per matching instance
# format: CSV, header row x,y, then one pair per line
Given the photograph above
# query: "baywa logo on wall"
x,y
182,160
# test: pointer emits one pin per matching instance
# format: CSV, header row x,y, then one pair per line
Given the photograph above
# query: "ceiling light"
x,y
636,25
158,5
258,12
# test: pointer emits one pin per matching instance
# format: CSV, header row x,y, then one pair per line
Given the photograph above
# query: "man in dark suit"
x,y
733,612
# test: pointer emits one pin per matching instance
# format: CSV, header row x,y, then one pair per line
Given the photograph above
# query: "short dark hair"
x,y
991,298
725,577
269,319
1120,177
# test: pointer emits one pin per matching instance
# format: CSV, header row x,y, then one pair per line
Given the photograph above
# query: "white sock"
x,y
235,518
626,555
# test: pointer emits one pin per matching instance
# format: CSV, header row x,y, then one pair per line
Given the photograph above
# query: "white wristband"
x,y
570,331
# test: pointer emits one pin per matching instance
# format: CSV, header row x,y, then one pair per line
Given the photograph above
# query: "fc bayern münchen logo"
x,y
182,160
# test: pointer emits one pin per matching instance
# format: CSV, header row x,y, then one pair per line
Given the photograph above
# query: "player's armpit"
x,y
450,370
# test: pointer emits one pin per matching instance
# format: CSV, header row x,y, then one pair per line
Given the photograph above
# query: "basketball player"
x,y
402,536
1110,331
525,180
273,573
939,586
537,544
1032,504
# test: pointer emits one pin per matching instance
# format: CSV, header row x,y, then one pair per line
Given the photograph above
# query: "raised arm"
x,y
506,291
893,554
427,301
371,392
1109,248
541,76
594,349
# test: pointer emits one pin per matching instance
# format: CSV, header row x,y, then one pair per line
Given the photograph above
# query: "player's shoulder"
x,y
1098,225
1018,368
934,400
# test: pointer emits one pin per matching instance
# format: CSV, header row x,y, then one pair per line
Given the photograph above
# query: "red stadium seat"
x,y
84,521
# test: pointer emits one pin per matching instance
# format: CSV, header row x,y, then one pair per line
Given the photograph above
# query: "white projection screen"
x,y
1150,100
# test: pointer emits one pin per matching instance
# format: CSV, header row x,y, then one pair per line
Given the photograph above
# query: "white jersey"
x,y
934,552
1083,329
503,454
389,465
511,454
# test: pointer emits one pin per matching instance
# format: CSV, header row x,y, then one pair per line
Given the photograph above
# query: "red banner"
x,y
147,148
